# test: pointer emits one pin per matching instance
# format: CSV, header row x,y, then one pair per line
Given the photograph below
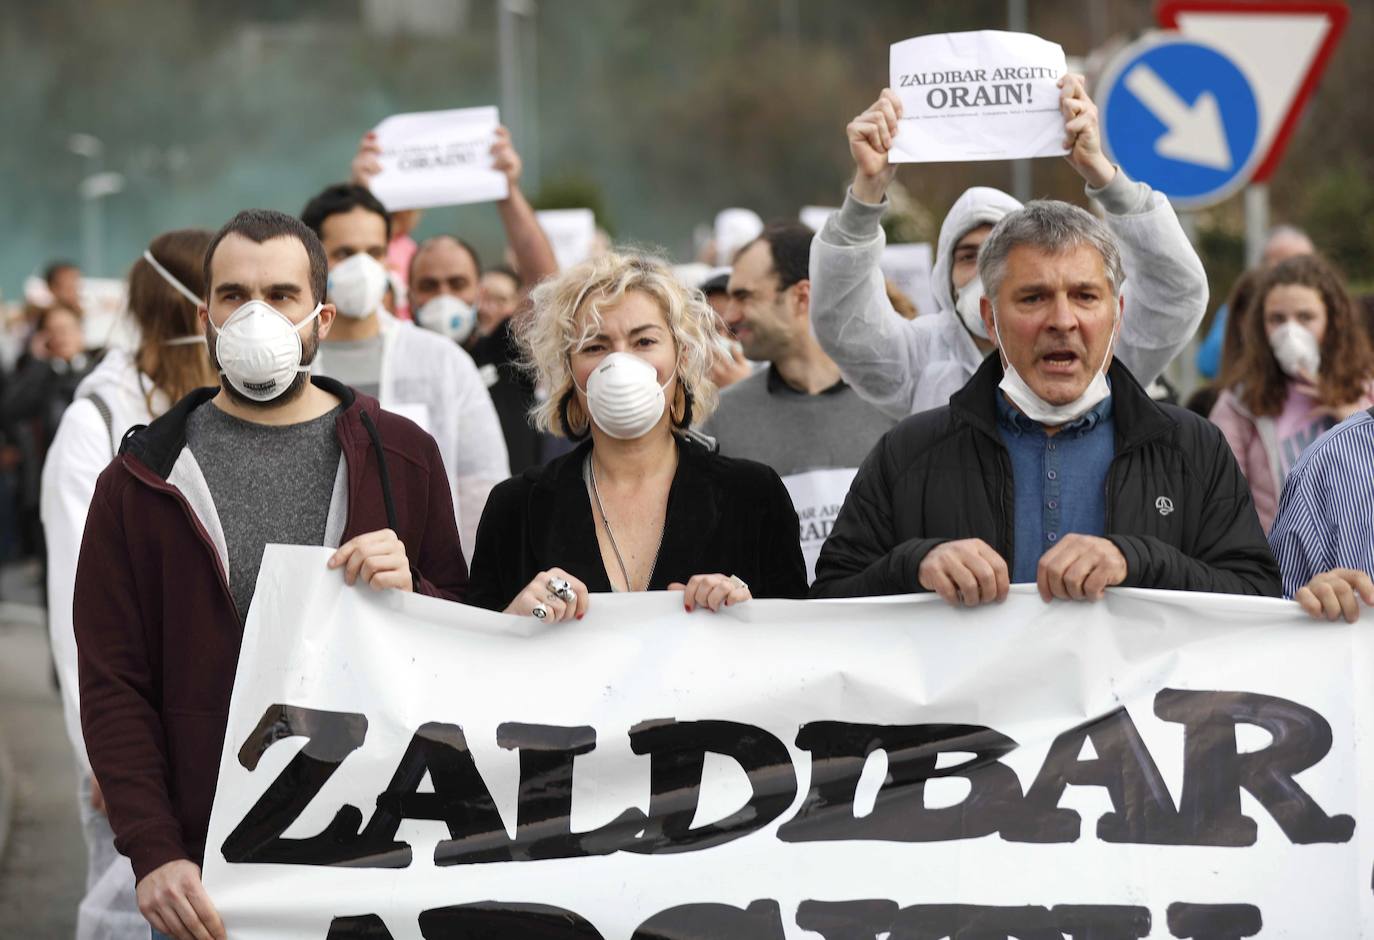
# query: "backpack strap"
x,y
103,407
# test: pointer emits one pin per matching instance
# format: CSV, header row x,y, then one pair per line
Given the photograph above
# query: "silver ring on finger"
x,y
560,588
540,611
738,582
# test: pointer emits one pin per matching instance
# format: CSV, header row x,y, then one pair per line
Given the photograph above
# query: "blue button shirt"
x,y
1060,482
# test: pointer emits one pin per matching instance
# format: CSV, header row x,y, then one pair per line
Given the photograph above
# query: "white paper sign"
x,y
399,766
909,267
571,232
984,95
106,321
438,158
817,495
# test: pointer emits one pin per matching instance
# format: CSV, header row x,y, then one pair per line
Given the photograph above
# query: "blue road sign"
x,y
1180,115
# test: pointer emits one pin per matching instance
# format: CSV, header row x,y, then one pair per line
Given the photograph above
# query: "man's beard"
x,y
309,348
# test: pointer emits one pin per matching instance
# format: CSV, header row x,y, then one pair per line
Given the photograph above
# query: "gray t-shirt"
x,y
814,442
355,362
268,484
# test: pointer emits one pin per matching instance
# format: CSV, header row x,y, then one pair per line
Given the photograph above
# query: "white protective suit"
x,y
904,366
82,448
431,380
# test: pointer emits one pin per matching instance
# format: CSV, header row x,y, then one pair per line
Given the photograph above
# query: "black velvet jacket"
x,y
724,515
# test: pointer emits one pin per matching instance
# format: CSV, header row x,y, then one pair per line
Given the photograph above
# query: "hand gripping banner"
x,y
1159,764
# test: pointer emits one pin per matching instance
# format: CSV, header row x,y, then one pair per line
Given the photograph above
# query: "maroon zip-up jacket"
x,y
157,632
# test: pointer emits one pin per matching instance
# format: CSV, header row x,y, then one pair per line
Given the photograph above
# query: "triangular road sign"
x,y
1282,47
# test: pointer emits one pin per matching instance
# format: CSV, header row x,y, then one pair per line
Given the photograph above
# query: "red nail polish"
x,y
580,616
687,607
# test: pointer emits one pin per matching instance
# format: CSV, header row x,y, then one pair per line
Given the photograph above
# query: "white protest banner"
x,y
984,95
1158,764
438,158
909,266
571,233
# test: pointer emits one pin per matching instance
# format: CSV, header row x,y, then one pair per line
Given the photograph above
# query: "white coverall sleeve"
x,y
877,350
1165,287
481,460
79,452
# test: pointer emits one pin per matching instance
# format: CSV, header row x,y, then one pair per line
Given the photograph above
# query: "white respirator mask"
x,y
357,285
1036,408
447,315
1297,351
966,304
624,397
259,350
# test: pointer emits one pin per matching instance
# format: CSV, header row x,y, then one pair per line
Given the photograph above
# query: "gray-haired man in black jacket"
x,y
1051,465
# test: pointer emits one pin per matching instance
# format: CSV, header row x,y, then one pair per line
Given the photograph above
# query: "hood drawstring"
x,y
382,472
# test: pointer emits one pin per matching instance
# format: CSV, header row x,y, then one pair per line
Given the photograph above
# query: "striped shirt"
x,y
1326,513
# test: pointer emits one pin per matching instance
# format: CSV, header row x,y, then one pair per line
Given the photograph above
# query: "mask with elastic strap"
x,y
624,396
259,350
1296,350
1036,408
357,285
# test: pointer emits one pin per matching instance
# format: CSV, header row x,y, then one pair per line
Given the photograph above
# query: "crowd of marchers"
x,y
523,438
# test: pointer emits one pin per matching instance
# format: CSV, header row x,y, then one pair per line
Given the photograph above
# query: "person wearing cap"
x,y
729,364
907,366
796,414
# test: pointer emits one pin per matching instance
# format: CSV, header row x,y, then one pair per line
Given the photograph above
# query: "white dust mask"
x,y
1297,351
448,315
259,349
624,397
966,304
1036,408
357,285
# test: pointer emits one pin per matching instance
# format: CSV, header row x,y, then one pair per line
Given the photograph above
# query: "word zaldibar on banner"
x,y
984,95
438,158
1158,764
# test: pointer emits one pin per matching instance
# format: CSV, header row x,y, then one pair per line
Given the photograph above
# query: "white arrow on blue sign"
x,y
1180,115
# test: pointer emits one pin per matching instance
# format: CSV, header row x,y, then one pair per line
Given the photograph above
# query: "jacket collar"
x,y
1138,418
158,445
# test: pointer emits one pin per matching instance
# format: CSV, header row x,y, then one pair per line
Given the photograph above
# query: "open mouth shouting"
x,y
1060,362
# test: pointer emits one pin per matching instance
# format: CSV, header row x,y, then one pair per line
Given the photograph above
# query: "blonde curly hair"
x,y
549,334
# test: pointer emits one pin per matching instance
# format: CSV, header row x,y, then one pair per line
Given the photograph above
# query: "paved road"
x,y
43,870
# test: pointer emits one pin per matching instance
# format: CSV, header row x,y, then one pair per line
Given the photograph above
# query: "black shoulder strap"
x,y
103,407
1371,412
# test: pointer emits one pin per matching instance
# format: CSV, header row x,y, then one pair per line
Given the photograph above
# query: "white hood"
x,y
981,205
120,385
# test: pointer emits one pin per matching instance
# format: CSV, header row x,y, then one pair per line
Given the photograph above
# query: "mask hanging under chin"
x,y
1042,412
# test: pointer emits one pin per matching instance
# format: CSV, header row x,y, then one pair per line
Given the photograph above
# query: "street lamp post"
x,y
95,186
517,54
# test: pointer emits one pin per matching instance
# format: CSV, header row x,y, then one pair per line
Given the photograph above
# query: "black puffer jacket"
x,y
1178,506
